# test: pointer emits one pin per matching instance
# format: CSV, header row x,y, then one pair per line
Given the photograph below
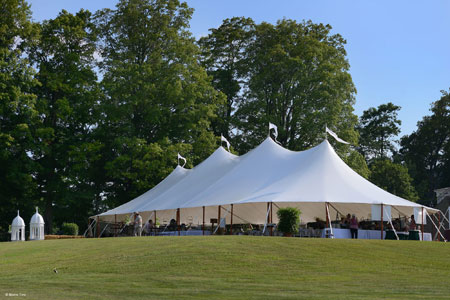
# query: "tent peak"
x,y
178,167
326,142
223,151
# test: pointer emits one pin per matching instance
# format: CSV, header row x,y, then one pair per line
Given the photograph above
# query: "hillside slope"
x,y
225,267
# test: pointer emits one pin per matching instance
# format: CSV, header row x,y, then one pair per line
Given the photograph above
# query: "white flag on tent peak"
x,y
182,158
275,129
330,132
223,139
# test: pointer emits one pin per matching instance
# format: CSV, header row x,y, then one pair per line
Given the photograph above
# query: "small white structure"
x,y
18,229
37,227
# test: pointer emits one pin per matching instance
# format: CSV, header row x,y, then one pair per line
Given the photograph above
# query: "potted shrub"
x,y
288,220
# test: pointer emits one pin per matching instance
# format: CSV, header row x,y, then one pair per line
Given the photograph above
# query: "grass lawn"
x,y
225,267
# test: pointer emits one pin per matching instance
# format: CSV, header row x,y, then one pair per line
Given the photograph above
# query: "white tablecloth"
x,y
340,233
189,232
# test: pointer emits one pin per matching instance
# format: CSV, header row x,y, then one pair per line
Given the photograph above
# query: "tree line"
x,y
94,107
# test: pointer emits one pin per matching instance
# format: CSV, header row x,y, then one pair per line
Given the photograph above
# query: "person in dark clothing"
x,y
354,227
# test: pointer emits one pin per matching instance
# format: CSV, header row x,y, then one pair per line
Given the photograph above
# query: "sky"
x,y
399,51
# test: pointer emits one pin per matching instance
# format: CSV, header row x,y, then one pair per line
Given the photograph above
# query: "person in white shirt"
x,y
137,224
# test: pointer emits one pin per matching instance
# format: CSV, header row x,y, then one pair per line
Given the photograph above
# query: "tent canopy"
x,y
269,173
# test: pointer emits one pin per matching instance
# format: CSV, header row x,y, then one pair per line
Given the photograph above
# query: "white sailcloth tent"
x,y
310,180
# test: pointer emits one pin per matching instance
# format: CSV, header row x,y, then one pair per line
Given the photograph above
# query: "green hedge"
x,y
69,229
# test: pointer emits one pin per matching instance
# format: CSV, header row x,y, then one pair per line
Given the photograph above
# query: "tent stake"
x,y
381,221
203,224
231,228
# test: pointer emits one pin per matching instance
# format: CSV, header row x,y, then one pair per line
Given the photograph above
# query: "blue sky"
x,y
399,51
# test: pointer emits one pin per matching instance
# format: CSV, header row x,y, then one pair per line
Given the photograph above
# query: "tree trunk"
x,y
48,216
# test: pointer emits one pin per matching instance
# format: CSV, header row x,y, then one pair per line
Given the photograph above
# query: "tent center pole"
x,y
326,213
203,224
381,221
271,219
231,228
218,219
422,224
154,224
178,221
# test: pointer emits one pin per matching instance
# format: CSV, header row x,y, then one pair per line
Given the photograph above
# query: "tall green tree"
x,y
377,128
67,96
426,151
393,178
297,79
281,74
223,53
158,98
17,114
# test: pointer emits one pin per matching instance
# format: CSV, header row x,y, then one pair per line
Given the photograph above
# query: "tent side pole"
x,y
326,213
178,221
392,225
434,224
271,219
431,217
439,218
154,224
203,224
231,228
98,227
115,225
381,221
89,226
422,224
218,219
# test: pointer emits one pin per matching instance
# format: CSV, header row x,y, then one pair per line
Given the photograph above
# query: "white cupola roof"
x,y
18,221
37,218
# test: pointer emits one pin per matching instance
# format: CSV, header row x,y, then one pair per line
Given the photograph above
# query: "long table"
x,y
187,232
340,233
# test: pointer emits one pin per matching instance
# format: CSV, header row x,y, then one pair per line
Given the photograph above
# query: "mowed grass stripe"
x,y
225,267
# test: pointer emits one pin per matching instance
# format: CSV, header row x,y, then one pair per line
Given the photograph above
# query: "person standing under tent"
x,y
354,227
347,221
137,224
148,227
412,223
